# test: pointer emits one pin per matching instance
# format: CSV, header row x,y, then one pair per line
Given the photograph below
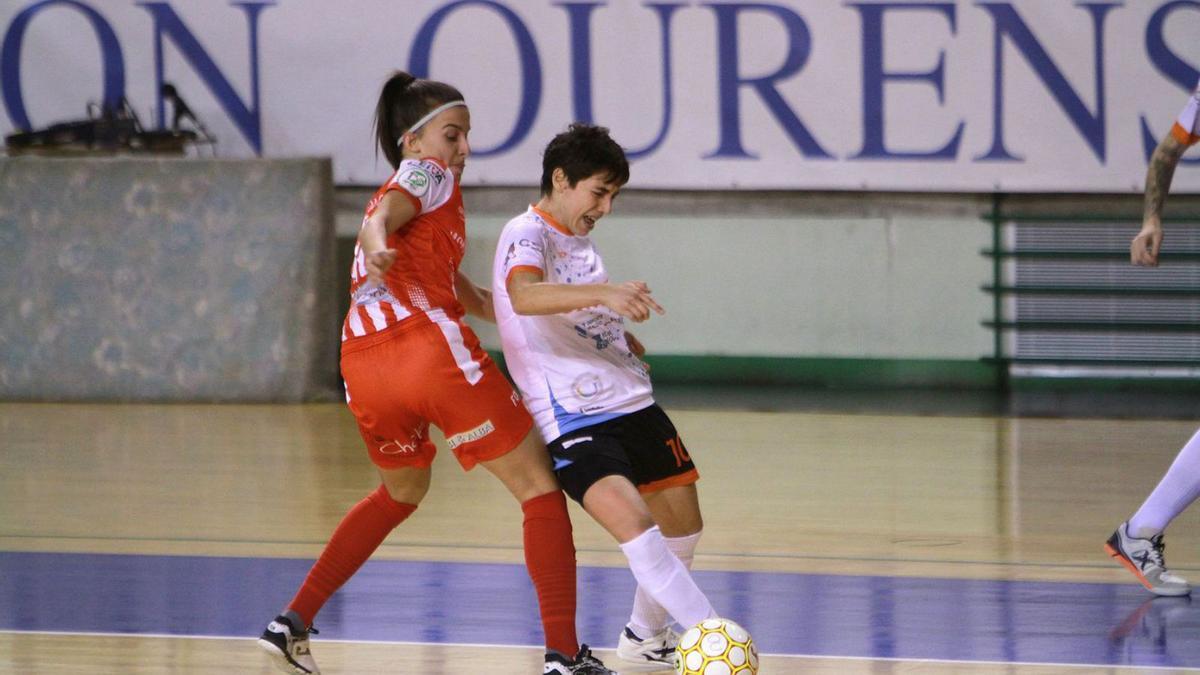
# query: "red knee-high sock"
x,y
550,557
355,539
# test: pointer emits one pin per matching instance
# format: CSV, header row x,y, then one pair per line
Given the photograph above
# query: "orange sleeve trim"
x,y
524,268
673,481
1183,135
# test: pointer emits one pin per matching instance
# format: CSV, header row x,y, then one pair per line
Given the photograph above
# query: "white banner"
x,y
1018,95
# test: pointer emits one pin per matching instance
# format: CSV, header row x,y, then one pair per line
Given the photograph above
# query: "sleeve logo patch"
x,y
415,181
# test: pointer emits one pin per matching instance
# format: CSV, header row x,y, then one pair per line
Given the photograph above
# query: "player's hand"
x,y
637,348
487,311
1143,250
635,345
378,263
632,300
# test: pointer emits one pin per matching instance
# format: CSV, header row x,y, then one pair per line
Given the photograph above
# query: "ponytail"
x,y
404,100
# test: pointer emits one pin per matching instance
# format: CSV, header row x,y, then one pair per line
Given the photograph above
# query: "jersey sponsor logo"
x,y
575,441
529,243
370,293
601,340
416,181
433,170
473,435
587,385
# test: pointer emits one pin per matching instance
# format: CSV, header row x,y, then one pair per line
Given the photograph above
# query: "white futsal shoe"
x,y
1144,557
658,648
288,647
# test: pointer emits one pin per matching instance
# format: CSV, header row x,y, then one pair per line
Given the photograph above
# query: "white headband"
x,y
428,116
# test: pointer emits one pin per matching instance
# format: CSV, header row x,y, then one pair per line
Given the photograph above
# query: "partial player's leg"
x,y
485,423
666,477
548,541
648,636
1138,543
618,507
676,510
549,553
398,444
595,469
356,537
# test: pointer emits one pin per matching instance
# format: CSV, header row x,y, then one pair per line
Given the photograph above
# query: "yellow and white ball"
x,y
716,647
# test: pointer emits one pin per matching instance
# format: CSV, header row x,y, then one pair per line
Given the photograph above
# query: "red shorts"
x,y
400,380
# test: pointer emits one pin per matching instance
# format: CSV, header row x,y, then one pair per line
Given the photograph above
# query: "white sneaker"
x,y
288,647
1144,557
658,648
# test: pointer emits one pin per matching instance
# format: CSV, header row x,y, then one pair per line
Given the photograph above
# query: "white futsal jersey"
x,y
1185,129
575,369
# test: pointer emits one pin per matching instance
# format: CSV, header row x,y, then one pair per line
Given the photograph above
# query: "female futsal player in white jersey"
x,y
580,375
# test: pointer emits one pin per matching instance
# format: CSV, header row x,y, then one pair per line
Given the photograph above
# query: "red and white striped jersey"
x,y
429,248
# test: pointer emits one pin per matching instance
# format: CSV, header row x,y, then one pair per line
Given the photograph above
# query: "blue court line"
x,y
472,603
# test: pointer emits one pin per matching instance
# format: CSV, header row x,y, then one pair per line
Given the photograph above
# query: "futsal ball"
x,y
716,647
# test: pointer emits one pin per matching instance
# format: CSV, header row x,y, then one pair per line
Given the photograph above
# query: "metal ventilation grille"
x,y
1068,297
1095,236
1105,274
1107,346
1117,309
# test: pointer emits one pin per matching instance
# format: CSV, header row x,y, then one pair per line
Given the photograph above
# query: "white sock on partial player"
x,y
660,573
1177,489
649,617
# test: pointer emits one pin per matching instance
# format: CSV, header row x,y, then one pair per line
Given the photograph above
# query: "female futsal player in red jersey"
x,y
409,360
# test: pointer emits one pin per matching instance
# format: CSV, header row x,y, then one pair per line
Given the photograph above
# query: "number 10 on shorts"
x,y
680,453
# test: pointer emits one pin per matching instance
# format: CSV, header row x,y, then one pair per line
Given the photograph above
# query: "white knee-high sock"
x,y
649,617
660,573
1177,489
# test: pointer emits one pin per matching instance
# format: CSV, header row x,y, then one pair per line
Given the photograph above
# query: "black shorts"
x,y
642,446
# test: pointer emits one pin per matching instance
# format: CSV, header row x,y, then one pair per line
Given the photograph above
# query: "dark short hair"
x,y
581,151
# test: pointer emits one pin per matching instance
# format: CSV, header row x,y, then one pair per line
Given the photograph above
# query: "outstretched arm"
x,y
393,211
1143,250
530,295
475,299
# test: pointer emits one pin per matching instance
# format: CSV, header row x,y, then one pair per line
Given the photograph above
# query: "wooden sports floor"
x,y
161,538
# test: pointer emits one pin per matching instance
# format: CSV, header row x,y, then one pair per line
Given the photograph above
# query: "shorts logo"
x,y
573,441
397,448
472,435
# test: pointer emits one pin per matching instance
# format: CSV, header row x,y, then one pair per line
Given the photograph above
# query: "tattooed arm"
x,y
1144,248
